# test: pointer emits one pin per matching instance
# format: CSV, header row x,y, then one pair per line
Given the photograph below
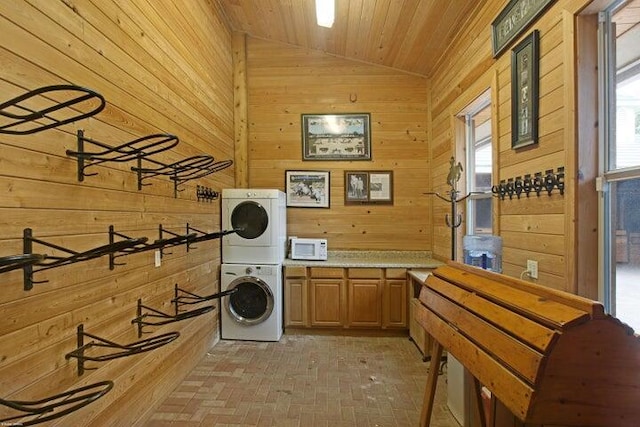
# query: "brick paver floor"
x,y
305,381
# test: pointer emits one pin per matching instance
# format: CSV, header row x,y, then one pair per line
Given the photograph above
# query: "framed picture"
x,y
336,136
307,189
524,92
513,20
368,187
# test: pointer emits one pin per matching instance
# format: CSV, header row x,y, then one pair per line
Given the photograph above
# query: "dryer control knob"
x,y
249,270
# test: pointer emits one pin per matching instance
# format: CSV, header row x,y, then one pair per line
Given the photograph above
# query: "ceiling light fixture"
x,y
325,12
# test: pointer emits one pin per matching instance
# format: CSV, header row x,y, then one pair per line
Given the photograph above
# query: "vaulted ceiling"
x,y
409,35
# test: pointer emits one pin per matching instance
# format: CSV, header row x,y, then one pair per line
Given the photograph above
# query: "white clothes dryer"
x,y
254,311
260,217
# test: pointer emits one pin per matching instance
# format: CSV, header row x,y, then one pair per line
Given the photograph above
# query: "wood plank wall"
x,y
540,228
162,67
285,82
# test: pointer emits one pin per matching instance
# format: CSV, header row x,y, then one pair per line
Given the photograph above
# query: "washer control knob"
x,y
249,270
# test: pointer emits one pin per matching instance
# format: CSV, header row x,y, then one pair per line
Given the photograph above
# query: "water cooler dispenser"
x,y
483,251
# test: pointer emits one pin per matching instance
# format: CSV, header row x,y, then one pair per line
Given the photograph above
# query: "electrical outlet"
x,y
158,258
532,267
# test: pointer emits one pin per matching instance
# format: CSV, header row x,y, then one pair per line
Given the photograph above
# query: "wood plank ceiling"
x,y
408,35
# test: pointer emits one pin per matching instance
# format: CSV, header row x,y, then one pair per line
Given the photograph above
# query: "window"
x,y
619,102
479,167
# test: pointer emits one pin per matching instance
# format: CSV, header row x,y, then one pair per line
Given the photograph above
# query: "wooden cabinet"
x,y
364,297
367,298
296,298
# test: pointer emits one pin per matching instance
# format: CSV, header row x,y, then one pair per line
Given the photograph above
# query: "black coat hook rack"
x,y
50,408
133,150
48,107
116,350
540,182
206,194
53,261
455,220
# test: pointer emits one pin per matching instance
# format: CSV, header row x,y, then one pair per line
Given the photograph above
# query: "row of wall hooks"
x,y
31,262
206,194
536,184
20,117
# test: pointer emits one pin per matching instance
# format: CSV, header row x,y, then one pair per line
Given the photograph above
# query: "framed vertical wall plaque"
x,y
513,20
524,92
336,136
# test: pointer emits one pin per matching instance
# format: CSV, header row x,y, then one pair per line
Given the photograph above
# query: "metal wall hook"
x,y
527,184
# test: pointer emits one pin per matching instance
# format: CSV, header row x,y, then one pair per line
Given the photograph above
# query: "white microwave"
x,y
308,249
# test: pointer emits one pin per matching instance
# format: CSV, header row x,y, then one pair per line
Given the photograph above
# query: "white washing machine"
x,y
260,216
254,311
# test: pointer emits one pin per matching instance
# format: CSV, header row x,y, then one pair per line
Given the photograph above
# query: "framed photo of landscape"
x,y
368,187
336,136
307,189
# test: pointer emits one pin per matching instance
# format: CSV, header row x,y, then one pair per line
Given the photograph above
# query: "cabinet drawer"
x,y
365,273
295,271
326,272
396,273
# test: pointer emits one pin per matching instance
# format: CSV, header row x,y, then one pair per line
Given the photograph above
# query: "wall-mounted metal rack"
x,y
71,257
177,239
204,236
14,262
39,411
536,184
48,107
153,317
133,150
161,243
187,298
180,172
116,350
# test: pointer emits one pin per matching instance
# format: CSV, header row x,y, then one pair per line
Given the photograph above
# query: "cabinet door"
x,y
396,303
326,302
365,303
295,302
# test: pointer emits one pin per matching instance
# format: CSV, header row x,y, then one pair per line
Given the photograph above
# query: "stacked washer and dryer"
x,y
252,263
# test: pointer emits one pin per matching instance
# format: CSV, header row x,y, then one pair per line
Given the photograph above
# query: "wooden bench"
x,y
549,356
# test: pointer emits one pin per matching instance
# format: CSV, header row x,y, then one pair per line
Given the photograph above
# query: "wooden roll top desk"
x,y
550,357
